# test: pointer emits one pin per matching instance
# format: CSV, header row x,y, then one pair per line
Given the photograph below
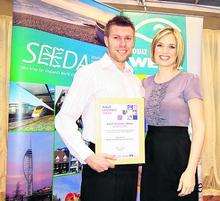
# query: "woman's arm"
x,y
187,180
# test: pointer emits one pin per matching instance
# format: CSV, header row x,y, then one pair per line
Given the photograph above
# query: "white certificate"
x,y
120,129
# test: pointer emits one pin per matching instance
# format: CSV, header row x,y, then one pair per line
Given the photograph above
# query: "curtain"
x,y
5,52
210,77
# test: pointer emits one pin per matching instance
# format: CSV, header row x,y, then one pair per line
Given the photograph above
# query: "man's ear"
x,y
106,41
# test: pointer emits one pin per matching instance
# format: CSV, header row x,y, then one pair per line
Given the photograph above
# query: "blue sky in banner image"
x,y
41,145
101,6
58,143
19,94
66,184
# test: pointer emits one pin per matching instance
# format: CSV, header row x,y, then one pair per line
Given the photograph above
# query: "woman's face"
x,y
165,51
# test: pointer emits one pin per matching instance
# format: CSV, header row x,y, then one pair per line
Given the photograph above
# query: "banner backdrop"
x,y
49,44
148,24
51,41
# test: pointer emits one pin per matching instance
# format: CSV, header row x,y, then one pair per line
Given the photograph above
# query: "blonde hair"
x,y
179,43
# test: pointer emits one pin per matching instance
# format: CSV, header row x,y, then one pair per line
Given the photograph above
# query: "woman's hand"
x,y
186,183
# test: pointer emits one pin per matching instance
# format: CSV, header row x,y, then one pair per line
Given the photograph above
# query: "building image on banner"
x,y
51,40
29,175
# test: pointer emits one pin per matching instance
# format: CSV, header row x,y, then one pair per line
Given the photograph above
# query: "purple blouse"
x,y
166,103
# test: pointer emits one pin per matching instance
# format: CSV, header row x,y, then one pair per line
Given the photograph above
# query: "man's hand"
x,y
100,162
186,183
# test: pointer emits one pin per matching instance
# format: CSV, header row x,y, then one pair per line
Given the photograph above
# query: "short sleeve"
x,y
193,88
146,82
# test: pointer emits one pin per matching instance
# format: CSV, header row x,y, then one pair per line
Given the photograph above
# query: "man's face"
x,y
120,43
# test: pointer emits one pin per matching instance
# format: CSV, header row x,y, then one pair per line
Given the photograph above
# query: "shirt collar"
x,y
111,65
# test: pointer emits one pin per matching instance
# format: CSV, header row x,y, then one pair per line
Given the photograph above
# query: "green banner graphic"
x,y
41,57
147,25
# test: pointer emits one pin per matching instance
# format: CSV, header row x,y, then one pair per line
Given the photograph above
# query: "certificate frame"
x,y
139,138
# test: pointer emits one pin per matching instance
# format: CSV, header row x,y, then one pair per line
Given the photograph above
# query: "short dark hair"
x,y
119,21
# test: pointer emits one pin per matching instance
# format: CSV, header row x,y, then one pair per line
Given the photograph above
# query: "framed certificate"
x,y
120,129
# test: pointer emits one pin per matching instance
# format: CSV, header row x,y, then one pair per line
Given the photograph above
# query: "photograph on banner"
x,y
73,19
66,188
60,94
31,107
64,162
29,175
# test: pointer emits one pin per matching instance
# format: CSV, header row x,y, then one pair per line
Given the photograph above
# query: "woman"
x,y
172,98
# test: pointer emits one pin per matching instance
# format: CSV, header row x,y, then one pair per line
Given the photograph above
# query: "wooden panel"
x,y
6,7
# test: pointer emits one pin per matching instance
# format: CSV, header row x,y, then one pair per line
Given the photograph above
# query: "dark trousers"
x,y
167,153
117,184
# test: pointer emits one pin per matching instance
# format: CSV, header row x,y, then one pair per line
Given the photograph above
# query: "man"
x,y
110,76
